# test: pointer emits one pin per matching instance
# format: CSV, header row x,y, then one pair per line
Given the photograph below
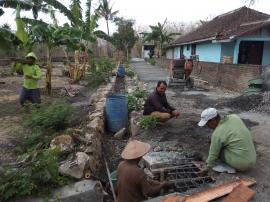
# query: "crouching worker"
x,y
32,74
158,106
132,184
231,142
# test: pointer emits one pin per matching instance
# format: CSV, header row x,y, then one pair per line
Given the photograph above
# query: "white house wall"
x,y
169,53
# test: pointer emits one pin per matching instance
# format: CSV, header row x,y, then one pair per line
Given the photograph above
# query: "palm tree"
x,y
105,10
159,35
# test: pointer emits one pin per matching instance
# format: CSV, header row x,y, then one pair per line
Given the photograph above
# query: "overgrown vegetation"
x,y
136,99
100,71
147,122
48,116
36,170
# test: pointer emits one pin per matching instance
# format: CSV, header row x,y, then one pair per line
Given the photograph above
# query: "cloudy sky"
x,y
150,12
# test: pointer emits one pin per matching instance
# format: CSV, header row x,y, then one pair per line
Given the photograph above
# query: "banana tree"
x,y
9,40
53,36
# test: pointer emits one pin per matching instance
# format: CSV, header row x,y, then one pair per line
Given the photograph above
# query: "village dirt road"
x,y
184,135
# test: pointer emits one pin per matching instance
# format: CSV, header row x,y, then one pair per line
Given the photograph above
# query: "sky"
x,y
150,12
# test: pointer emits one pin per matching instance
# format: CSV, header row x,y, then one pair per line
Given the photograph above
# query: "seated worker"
x,y
231,141
132,183
188,68
157,104
32,74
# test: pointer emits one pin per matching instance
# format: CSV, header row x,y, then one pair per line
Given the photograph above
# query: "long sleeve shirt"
x,y
132,184
232,138
157,102
29,70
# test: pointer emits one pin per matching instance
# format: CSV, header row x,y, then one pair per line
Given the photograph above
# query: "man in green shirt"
x,y
32,74
231,141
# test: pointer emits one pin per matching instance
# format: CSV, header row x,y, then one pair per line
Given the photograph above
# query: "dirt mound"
x,y
254,103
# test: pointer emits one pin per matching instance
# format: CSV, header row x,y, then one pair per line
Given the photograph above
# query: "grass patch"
x,y
37,172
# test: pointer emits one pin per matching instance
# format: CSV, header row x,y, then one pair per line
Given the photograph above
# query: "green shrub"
x,y
147,122
136,99
38,173
48,116
99,71
130,73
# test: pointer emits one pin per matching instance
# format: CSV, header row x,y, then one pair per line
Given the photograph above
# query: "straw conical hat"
x,y
135,149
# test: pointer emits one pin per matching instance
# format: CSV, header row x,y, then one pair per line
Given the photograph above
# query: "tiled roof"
x,y
232,24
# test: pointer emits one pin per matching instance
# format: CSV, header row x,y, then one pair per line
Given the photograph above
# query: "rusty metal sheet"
x,y
240,193
219,191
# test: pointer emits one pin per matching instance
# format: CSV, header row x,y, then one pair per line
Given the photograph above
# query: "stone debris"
x,y
85,190
63,142
134,124
96,125
120,134
75,167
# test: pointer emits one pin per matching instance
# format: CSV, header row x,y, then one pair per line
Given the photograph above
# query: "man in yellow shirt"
x,y
32,74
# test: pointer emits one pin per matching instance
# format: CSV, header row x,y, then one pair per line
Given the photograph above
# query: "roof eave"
x,y
191,42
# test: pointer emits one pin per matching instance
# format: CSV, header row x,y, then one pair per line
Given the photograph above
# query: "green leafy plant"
x,y
48,116
39,171
130,73
147,122
100,71
136,99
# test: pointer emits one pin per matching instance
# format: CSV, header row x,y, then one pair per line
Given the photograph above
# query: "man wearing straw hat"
x,y
132,184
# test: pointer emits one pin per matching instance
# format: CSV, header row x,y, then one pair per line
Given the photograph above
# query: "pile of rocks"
x,y
84,160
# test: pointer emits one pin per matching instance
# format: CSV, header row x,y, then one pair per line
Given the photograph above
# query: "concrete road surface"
x,y
147,72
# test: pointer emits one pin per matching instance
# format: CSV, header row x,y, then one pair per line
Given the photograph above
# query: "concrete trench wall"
x,y
95,128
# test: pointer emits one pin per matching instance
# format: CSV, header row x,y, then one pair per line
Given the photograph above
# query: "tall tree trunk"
x,y
90,4
48,84
108,27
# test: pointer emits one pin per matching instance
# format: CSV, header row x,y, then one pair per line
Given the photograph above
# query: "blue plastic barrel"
x,y
116,112
121,71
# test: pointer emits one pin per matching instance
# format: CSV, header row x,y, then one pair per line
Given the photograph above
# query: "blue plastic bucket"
x,y
121,71
116,112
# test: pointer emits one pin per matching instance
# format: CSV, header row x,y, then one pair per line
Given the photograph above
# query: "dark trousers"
x,y
33,95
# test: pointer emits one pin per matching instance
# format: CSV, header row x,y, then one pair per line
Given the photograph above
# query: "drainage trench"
x,y
178,168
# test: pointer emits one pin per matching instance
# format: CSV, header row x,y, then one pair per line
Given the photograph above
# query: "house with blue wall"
x,y
241,36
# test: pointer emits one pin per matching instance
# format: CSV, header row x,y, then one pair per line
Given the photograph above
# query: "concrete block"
x,y
82,191
76,167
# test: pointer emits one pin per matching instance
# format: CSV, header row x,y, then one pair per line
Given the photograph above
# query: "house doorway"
x,y
250,52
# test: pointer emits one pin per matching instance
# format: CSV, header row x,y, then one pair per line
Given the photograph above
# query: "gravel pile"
x,y
264,106
254,103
